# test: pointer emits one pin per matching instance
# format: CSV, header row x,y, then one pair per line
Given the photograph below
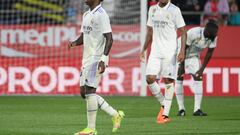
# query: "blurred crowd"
x,y
196,12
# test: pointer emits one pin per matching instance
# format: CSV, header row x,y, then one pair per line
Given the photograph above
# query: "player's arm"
x,y
105,27
77,42
181,55
207,58
181,67
180,24
146,43
149,34
109,42
181,71
108,46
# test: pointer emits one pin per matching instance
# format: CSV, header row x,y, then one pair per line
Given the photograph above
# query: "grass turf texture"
x,y
66,115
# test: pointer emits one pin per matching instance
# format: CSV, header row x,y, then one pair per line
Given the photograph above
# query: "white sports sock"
x,y
103,105
198,94
180,95
92,108
155,89
169,91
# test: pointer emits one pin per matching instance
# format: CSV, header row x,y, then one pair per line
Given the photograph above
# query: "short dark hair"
x,y
212,29
212,26
101,0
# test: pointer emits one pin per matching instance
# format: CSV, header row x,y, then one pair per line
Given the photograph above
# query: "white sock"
x,y
155,89
198,94
92,108
169,91
180,95
103,105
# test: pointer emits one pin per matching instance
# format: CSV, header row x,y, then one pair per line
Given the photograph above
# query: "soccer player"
x,y
164,19
96,38
198,38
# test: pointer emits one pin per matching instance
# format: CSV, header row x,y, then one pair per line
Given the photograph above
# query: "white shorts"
x,y
192,65
90,76
164,67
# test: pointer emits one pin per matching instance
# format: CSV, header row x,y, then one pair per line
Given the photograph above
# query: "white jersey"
x,y
95,24
197,42
164,22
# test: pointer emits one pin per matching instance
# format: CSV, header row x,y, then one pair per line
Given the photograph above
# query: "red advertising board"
x,y
35,60
221,78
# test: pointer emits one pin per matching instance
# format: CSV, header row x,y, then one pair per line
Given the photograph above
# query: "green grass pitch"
x,y
66,115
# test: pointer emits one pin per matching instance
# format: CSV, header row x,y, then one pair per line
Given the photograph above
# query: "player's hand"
x,y
142,56
71,45
199,74
101,67
181,56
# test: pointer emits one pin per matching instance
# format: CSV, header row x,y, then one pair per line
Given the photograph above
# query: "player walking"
x,y
164,19
96,37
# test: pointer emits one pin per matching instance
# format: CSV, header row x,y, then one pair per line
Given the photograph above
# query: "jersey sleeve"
x,y
149,21
179,19
193,34
213,44
190,37
81,30
104,22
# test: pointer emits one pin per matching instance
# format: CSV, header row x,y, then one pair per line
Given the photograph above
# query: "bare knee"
x,y
180,78
90,90
83,92
151,79
197,78
168,80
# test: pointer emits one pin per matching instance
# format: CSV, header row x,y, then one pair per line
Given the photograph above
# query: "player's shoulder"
x,y
174,7
195,30
100,11
85,13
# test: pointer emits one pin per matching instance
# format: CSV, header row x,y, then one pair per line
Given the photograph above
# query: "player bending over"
x,y
198,38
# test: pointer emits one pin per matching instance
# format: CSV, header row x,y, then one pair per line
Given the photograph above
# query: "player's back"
x,y
196,42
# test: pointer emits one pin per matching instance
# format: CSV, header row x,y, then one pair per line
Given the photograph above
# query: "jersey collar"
x,y
95,9
165,7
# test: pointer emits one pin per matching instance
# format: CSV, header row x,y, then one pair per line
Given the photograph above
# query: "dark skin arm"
x,y
208,56
181,55
77,42
108,46
181,67
146,43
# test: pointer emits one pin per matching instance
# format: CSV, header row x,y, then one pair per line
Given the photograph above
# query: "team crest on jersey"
x,y
168,17
154,10
91,22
